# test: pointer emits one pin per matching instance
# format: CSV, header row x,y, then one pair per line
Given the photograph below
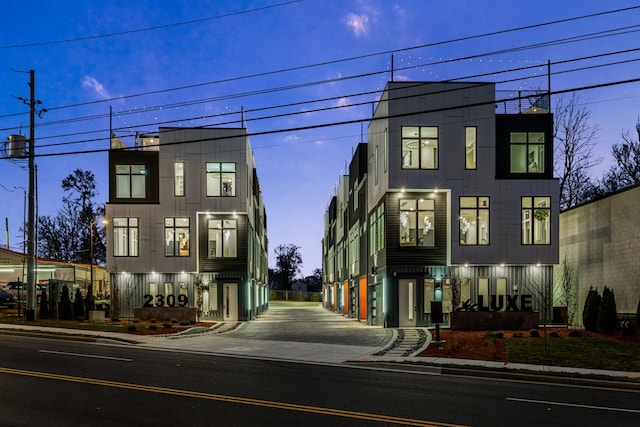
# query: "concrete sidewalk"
x,y
308,333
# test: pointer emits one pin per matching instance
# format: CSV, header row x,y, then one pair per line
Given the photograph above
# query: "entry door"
x,y
407,302
230,304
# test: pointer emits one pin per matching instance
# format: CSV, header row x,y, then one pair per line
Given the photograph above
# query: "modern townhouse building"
x,y
460,204
187,226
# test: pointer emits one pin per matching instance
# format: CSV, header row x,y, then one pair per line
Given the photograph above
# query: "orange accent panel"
x,y
345,299
363,297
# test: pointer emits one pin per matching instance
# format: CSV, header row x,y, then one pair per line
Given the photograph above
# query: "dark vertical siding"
x,y
224,264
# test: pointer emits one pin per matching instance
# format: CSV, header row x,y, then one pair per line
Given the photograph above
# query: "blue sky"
x,y
197,63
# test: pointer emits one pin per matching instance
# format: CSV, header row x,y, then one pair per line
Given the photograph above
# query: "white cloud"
x,y
291,138
342,102
358,23
95,87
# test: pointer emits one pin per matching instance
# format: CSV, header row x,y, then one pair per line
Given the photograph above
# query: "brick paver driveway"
x,y
310,323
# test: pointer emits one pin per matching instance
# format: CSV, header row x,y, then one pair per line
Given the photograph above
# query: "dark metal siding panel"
x,y
397,255
221,265
150,159
506,123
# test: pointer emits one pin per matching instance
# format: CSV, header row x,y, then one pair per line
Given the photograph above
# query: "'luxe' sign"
x,y
497,303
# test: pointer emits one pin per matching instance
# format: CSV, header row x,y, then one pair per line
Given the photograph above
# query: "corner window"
x,y
419,147
536,220
178,179
221,179
474,220
130,181
526,152
125,237
470,147
222,239
176,236
417,220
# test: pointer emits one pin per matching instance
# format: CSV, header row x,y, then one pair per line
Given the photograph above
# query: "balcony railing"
x,y
522,102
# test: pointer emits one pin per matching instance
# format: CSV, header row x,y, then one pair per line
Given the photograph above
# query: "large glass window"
x,y
130,181
536,220
474,220
176,236
527,152
222,238
125,237
376,230
419,147
221,179
470,147
417,220
178,178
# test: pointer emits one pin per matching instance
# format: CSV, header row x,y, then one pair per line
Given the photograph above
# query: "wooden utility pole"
x,y
30,312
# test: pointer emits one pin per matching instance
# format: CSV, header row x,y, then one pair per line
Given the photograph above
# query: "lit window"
x,y
176,236
536,220
178,178
221,179
470,147
125,237
419,147
474,220
526,152
130,181
222,238
417,222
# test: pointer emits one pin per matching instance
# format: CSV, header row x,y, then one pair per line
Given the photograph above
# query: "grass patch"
x,y
582,352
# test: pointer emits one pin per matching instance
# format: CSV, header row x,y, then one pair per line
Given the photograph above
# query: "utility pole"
x,y
30,313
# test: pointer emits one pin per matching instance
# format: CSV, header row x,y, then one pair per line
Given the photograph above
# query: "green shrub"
x,y
192,322
115,319
44,305
554,334
153,327
78,305
174,321
152,321
534,333
136,320
66,310
166,325
590,310
517,334
131,328
184,323
574,333
607,320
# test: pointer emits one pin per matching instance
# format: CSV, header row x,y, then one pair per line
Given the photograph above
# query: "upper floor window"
x,y
130,181
178,178
221,179
470,147
536,220
125,237
176,236
222,238
474,220
417,219
526,152
419,147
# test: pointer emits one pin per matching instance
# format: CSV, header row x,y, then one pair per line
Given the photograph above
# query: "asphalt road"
x,y
58,382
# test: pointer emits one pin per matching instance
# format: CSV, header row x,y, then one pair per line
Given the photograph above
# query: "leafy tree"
x,y
44,305
607,313
288,263
66,310
590,310
575,139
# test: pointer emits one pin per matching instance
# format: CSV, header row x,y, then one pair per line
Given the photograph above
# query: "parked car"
x,y
7,300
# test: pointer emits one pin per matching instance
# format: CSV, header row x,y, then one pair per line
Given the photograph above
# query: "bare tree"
x,y
627,157
575,139
567,290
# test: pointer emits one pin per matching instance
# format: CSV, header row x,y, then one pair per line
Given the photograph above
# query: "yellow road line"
x,y
230,399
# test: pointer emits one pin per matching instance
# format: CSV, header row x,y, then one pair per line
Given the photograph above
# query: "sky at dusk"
x,y
306,73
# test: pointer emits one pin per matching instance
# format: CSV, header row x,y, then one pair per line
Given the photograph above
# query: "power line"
x,y
356,121
387,52
154,28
